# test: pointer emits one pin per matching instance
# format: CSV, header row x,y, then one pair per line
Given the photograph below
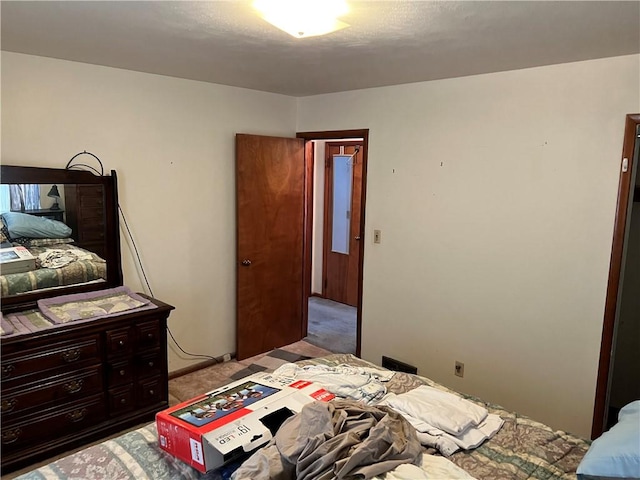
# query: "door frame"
x,y
308,241
615,270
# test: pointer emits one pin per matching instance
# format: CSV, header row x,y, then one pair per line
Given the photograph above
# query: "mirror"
x,y
67,220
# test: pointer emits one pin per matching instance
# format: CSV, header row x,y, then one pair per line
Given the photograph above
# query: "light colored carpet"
x,y
332,325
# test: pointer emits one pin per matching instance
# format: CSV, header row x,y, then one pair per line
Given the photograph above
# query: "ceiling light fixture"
x,y
303,18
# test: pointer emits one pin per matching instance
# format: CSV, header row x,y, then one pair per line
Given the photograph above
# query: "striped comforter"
x,y
522,449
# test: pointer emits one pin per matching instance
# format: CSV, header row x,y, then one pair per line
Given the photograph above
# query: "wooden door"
x,y
270,200
343,200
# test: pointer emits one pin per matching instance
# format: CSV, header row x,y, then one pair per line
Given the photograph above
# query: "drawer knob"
x,y
123,401
150,336
71,355
150,364
7,370
77,415
8,405
10,436
151,392
121,343
74,386
123,373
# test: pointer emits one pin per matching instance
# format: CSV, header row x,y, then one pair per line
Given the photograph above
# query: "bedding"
x,y
521,449
73,265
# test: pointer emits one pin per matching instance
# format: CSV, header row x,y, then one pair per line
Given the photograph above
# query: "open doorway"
x,y
334,245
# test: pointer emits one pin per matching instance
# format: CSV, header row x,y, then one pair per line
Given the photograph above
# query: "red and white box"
x,y
227,423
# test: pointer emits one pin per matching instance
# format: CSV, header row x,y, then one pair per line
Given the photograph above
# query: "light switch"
x,y
376,236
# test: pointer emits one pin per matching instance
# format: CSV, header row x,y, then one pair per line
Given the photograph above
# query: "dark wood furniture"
x,y
104,238
47,213
67,385
64,386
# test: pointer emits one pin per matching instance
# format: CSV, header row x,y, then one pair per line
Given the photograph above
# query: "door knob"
x,y
246,263
357,238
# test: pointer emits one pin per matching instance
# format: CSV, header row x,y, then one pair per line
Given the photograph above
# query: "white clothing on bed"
x,y
432,467
419,409
357,383
439,409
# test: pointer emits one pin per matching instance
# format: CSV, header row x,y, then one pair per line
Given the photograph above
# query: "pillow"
x,y
616,454
25,225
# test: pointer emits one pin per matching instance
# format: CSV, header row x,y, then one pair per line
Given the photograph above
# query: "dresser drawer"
x,y
63,389
151,391
68,354
54,423
119,341
121,400
149,364
119,373
148,335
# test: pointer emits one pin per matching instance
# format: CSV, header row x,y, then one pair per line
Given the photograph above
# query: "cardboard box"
x,y
16,260
228,423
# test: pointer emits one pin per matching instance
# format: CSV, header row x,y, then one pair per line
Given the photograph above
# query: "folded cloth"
x,y
439,409
338,439
431,467
5,327
58,258
356,383
92,305
448,444
28,321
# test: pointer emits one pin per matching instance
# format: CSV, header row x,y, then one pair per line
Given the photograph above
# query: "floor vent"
x,y
397,365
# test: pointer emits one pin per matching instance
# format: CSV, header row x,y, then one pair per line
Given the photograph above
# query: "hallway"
x,y
332,325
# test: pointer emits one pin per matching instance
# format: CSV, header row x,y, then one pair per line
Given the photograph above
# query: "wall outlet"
x,y
226,357
459,371
377,234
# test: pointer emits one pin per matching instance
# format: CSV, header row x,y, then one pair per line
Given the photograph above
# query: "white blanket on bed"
x,y
439,409
444,420
431,467
357,383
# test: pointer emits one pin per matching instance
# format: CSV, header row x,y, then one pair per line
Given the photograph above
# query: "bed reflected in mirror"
x,y
56,235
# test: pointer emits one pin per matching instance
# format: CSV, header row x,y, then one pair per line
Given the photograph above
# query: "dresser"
x,y
85,205
65,386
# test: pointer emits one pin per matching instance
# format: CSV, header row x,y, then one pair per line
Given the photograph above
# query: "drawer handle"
x,y
8,405
7,370
71,355
74,386
10,436
77,415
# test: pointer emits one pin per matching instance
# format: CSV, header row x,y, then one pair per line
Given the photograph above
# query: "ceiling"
x,y
388,42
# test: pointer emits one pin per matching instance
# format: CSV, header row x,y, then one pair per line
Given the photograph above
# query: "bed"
x,y
83,267
522,449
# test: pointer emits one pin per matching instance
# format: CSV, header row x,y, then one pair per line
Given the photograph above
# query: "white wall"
x,y
496,197
318,216
171,142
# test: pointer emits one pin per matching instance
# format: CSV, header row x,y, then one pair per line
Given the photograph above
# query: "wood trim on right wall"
x,y
613,286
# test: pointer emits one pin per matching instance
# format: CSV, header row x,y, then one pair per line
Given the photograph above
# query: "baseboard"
x,y
198,366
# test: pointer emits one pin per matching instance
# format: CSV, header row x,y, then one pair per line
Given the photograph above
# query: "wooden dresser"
x,y
65,386
85,205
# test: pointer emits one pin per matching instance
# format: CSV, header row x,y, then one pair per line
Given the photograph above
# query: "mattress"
x,y
522,449
89,269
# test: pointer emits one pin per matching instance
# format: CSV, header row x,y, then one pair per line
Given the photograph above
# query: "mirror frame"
x,y
18,174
